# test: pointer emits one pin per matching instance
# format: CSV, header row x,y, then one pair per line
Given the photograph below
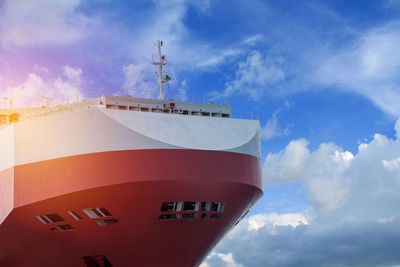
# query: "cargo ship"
x,y
124,181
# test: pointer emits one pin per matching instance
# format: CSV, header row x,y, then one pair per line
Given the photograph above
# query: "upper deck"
x,y
127,103
169,106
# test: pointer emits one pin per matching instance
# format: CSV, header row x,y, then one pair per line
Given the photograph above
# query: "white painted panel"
x,y
193,132
76,132
6,193
6,148
84,131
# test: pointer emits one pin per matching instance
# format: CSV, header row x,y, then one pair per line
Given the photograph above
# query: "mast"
x,y
160,62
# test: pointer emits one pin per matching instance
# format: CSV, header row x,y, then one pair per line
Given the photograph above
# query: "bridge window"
x,y
217,206
205,206
191,206
168,216
171,206
188,215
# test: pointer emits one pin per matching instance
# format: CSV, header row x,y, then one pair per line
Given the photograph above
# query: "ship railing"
x,y
194,98
86,104
245,115
91,104
4,123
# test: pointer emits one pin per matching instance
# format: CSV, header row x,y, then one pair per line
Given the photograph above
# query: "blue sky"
x,y
322,75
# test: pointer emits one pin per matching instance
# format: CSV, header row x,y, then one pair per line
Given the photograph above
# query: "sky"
x,y
323,76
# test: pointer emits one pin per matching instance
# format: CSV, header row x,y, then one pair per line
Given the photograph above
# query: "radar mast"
x,y
160,61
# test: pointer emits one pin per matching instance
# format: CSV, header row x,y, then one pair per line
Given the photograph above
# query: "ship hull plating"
x,y
131,185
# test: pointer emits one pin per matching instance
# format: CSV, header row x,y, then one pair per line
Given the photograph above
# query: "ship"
x,y
124,181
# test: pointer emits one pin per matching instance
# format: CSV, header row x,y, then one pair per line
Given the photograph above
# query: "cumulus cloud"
x,y
221,259
60,90
42,21
368,66
351,214
255,75
273,219
323,171
391,164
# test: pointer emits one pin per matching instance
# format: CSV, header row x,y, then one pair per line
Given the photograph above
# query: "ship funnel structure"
x,y
160,61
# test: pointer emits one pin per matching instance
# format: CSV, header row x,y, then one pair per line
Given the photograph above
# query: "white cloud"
x,y
253,39
60,90
273,219
73,74
137,80
255,75
182,91
391,164
288,165
351,213
221,259
384,220
273,128
40,69
369,66
41,21
322,171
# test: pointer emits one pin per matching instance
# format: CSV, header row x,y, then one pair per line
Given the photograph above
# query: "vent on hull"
x,y
97,261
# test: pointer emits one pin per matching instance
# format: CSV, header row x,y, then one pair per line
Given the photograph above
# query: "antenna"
x,y
160,61
47,100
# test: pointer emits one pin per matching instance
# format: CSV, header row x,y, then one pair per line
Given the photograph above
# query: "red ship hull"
x,y
131,185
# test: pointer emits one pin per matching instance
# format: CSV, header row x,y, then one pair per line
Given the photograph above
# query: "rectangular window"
x,y
191,206
188,215
171,206
104,212
53,218
217,206
43,219
97,212
168,216
105,222
111,106
65,227
216,216
134,108
205,206
75,215
97,261
156,110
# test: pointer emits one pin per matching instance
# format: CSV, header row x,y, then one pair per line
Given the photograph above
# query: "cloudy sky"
x,y
324,77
